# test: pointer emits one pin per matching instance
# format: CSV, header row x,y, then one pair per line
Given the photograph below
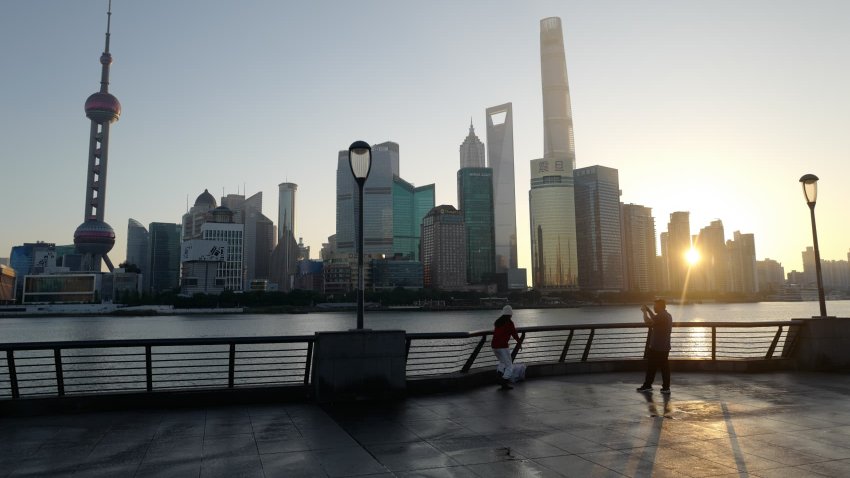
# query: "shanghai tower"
x,y
558,141
94,238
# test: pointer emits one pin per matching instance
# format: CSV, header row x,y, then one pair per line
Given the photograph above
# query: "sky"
x,y
716,108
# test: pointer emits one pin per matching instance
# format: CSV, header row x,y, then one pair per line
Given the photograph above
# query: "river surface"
x,y
37,329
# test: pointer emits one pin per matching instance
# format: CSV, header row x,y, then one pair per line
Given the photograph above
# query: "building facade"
x,y
164,256
472,151
677,242
286,209
639,252
475,199
551,204
222,229
500,158
742,264
598,235
138,248
558,139
444,249
410,205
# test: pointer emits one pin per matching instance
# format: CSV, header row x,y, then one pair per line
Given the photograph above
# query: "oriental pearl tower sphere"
x,y
94,238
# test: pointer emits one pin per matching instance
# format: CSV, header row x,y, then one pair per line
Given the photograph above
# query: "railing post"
x,y
474,355
407,349
646,345
566,346
517,347
60,379
231,366
149,367
587,347
13,374
714,343
772,347
308,362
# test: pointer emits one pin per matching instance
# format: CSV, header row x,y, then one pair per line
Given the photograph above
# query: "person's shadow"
x,y
653,407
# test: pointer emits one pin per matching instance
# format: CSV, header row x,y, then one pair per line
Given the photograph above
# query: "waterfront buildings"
x,y
200,260
397,271
286,209
637,227
62,288
475,199
444,249
94,238
771,275
222,228
714,259
199,213
410,205
551,203
165,256
500,158
8,281
742,264
259,235
598,235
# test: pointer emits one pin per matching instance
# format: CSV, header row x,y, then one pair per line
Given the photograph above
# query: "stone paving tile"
x,y
411,456
447,472
233,467
229,446
515,469
576,466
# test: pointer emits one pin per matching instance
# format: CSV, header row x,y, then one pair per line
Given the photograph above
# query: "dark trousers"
x,y
657,359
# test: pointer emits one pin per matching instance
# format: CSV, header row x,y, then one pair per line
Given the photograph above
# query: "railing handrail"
x,y
110,343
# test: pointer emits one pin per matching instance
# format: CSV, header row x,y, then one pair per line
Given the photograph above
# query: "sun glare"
x,y
692,256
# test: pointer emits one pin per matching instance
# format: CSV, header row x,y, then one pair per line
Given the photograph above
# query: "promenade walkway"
x,y
757,425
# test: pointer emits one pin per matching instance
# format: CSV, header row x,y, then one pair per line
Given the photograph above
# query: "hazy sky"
x,y
716,108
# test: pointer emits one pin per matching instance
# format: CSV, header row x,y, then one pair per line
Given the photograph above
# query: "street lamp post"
x,y
810,191
360,160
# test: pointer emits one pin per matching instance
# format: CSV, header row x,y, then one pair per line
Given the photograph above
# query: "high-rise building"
x,y
444,249
222,228
771,275
200,213
259,235
138,247
598,235
410,205
475,199
809,270
165,256
742,263
678,240
286,209
558,140
500,158
472,151
378,196
552,215
639,255
714,258
94,238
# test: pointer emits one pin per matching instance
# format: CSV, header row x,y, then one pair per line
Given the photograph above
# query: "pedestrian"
x,y
503,330
660,324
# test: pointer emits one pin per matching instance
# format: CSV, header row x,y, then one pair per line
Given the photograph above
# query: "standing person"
x,y
503,330
660,323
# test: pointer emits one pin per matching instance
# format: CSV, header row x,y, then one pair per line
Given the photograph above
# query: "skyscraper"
x,y
286,209
94,238
598,236
714,258
138,247
558,140
165,256
500,158
410,205
377,192
259,237
472,150
475,199
638,237
444,248
552,215
742,255
678,240
222,228
197,215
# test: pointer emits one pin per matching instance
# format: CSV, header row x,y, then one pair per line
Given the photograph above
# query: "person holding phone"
x,y
660,323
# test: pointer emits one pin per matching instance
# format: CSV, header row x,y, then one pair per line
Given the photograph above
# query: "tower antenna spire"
x,y
106,57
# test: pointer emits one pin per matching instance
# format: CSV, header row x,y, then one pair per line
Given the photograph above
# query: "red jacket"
x,y
503,332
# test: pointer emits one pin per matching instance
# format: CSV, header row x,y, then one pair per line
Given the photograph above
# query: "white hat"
x,y
507,310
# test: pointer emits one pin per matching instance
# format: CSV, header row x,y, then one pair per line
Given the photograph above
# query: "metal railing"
x,y
59,369
435,354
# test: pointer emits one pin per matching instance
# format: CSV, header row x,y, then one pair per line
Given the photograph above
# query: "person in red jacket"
x,y
503,330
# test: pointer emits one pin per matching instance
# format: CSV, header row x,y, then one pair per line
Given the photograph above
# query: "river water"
x,y
37,329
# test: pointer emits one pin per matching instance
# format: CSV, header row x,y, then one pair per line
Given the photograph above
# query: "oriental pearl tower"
x,y
94,238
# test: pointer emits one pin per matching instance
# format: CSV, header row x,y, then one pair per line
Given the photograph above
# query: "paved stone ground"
x,y
763,425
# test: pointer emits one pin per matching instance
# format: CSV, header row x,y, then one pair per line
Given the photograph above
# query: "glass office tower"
x,y
165,256
599,241
500,151
554,262
475,198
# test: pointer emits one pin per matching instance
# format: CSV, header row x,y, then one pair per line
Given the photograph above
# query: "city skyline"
x,y
712,109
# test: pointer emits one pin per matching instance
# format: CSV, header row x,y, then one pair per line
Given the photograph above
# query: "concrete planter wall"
x,y
823,344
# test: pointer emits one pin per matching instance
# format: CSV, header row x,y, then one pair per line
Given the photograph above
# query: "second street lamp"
x,y
810,191
360,160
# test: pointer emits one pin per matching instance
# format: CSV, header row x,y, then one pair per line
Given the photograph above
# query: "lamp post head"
x,y
810,188
360,160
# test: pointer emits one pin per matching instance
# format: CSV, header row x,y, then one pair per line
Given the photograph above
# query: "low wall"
x,y
823,344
